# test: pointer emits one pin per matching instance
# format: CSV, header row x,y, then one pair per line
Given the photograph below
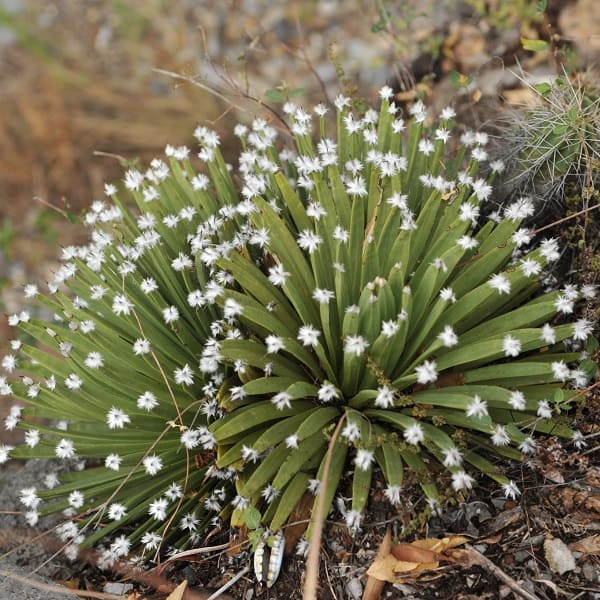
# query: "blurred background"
x,y
87,86
79,78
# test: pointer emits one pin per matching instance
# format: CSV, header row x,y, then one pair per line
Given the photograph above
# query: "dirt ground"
x,y
85,88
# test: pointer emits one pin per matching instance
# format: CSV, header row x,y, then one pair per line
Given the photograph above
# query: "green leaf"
x,y
265,470
290,497
390,461
329,486
297,92
361,486
252,517
300,285
589,367
533,45
277,432
229,455
268,385
275,96
255,354
253,415
317,421
459,80
306,449
292,202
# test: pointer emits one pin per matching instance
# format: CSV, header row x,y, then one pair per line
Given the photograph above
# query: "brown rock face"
x,y
580,23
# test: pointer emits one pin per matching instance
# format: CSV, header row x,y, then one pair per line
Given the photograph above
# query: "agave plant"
x,y
370,321
216,354
112,380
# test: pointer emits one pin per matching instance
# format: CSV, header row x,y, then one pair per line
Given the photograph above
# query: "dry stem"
x,y
314,550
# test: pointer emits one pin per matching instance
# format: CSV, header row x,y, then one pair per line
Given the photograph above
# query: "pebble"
x,y
521,556
354,588
590,572
492,81
560,558
118,589
406,590
537,540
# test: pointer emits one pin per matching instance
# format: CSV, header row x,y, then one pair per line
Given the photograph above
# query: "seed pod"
x,y
268,560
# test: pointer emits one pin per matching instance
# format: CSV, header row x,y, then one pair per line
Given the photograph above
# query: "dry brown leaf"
x,y
404,566
406,96
492,539
383,569
420,555
522,96
374,586
441,544
298,522
587,545
72,584
236,541
413,554
179,592
593,503
466,558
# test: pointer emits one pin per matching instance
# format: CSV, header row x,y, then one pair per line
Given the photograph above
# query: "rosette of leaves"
x,y
372,324
113,380
221,339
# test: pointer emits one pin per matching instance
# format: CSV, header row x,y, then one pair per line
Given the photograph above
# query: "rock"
x,y
590,572
560,558
18,544
116,588
466,43
580,23
354,588
521,556
492,81
17,582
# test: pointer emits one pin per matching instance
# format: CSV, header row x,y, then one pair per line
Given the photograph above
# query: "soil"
x,y
77,78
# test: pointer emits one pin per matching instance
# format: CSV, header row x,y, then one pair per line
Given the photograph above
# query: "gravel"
x,y
19,553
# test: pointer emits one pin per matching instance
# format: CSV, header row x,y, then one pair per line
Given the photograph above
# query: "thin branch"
x,y
312,564
195,551
471,556
225,587
577,214
57,589
245,95
193,81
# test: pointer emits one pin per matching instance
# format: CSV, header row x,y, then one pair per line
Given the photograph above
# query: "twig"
x,y
193,81
312,564
577,214
245,95
228,584
194,551
118,157
58,589
475,557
